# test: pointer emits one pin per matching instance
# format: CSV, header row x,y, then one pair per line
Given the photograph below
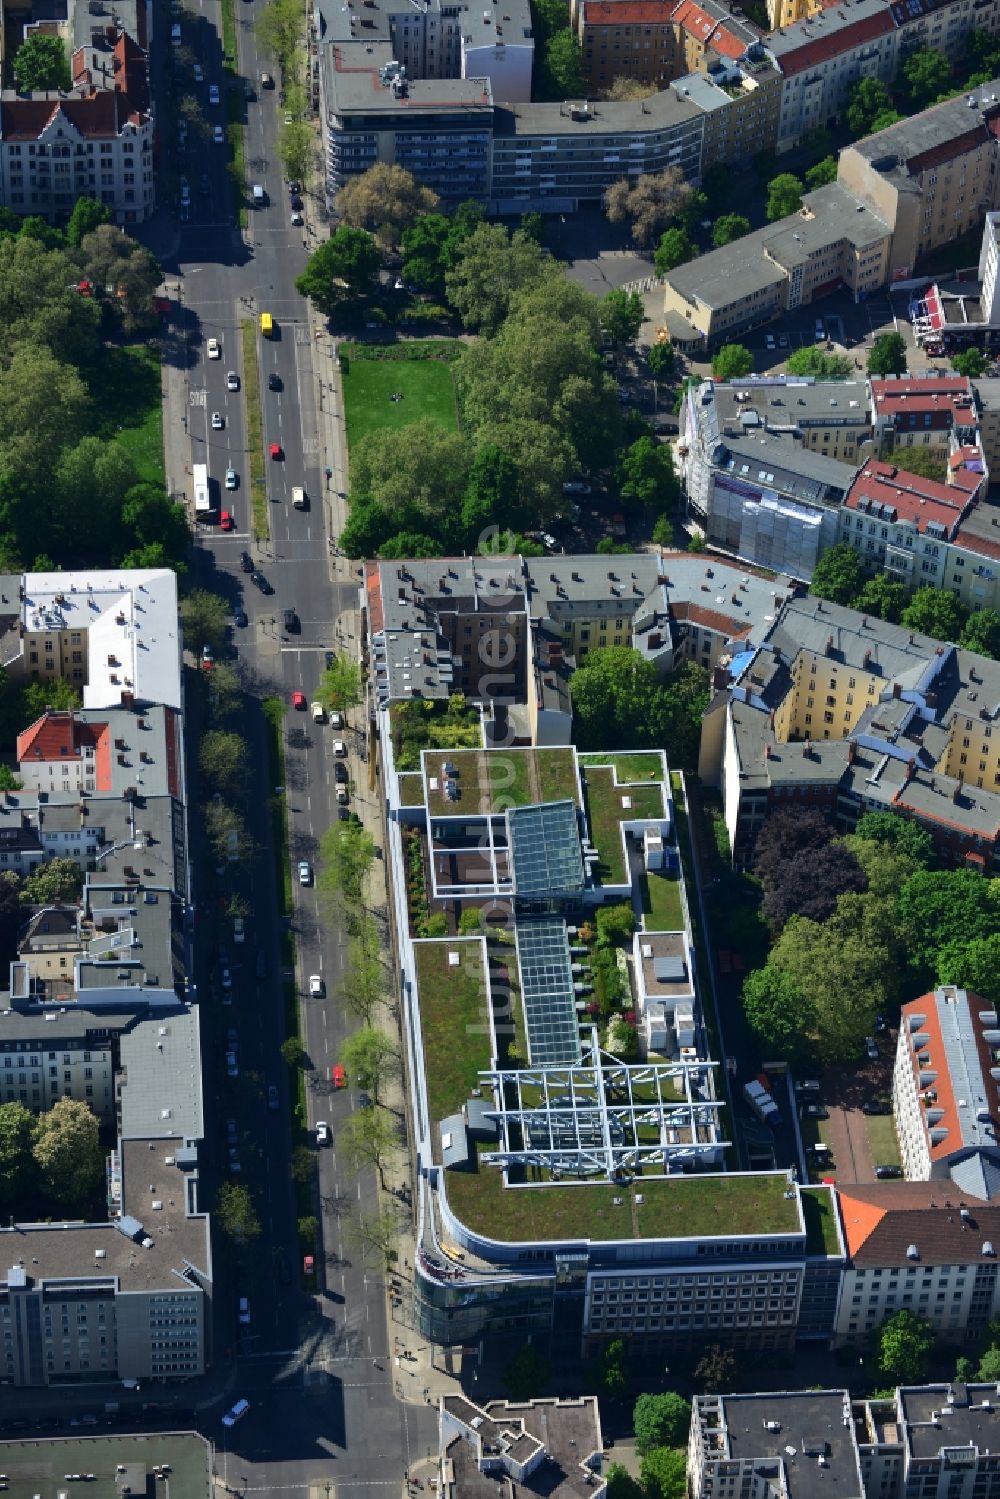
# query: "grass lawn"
x,y
661,903
556,775
688,1207
454,1019
426,387
491,781
131,409
261,518
882,1140
643,765
605,815
821,1220
411,790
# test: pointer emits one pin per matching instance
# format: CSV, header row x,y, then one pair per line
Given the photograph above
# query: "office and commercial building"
x,y
545,1447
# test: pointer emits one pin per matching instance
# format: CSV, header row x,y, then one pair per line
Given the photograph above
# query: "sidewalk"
x,y
421,1372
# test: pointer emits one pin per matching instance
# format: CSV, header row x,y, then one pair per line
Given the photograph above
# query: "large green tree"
x,y
981,633
52,883
924,76
868,99
811,360
887,355
784,196
970,362
838,575
940,906
675,248
615,694
386,200
344,267
17,1162
563,64
903,1346
236,1214
777,1012
223,759
727,227
664,1473
369,1138
489,268
732,362
646,474
882,595
660,1421
41,64
69,1154
972,965
936,613
372,1058
340,687
205,618
900,833
622,315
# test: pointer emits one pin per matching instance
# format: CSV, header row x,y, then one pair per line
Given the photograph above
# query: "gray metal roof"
x,y
930,129
776,461
979,1175
547,990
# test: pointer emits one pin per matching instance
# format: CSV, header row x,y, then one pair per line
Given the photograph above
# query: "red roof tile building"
x,y
95,141
656,41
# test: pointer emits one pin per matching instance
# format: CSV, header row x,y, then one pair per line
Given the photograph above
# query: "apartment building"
x,y
95,141
923,410
554,157
533,1447
128,1298
834,240
932,177
928,1440
924,1246
114,636
944,1091
824,55
655,41
740,102
902,522
828,707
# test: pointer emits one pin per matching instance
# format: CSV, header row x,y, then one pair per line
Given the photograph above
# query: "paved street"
x,y
317,1369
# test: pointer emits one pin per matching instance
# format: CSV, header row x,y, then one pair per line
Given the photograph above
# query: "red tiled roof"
x,y
843,39
61,736
947,151
913,497
373,588
883,1220
628,12
937,395
25,119
707,28
713,619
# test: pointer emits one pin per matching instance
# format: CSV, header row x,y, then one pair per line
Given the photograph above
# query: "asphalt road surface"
x,y
317,1369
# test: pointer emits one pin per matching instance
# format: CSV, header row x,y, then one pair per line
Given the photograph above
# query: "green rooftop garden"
x,y
411,789
427,723
821,1220
686,1207
605,814
491,781
639,765
661,903
454,1019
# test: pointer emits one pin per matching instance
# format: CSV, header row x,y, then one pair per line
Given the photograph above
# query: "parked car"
x,y
871,1048
239,929
240,619
807,1085
339,749
889,1173
336,720
232,1066
297,219
875,1106
218,135
272,1096
225,977
343,795
305,872
199,76
213,93
246,562
769,341
340,772
322,1132
815,1111
207,655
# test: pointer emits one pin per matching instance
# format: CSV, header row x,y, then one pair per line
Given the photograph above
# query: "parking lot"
x,y
835,1117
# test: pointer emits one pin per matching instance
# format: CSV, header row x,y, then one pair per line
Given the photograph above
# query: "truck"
x,y
757,1093
204,509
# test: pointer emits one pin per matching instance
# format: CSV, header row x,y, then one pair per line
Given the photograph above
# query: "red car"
x,y
227,521
276,450
308,1264
298,700
338,1076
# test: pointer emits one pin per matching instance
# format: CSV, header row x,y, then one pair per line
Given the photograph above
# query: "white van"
x,y
175,34
258,195
299,499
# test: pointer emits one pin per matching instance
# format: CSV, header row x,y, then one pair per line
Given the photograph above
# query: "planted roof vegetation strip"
x,y
547,990
545,849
